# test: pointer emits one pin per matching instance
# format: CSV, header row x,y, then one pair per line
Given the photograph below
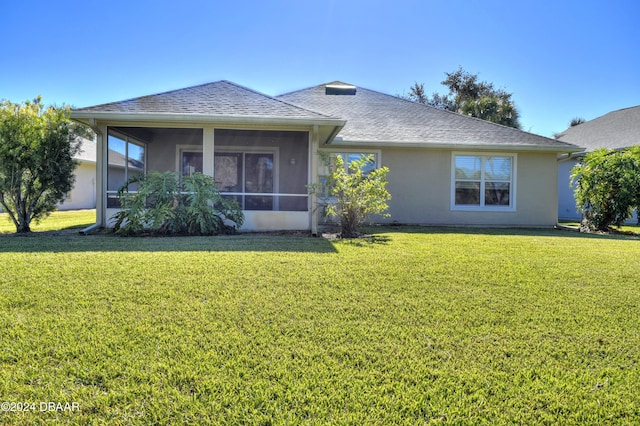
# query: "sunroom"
x,y
266,171
260,151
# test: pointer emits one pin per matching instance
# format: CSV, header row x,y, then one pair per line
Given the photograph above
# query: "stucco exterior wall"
x,y
420,185
83,194
566,201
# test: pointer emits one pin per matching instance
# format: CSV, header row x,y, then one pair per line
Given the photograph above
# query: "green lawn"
x,y
417,326
57,221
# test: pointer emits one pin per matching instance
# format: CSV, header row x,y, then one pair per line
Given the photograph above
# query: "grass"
x,y
58,220
628,228
416,326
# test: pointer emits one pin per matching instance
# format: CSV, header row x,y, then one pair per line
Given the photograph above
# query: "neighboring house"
x,y
83,194
445,168
615,130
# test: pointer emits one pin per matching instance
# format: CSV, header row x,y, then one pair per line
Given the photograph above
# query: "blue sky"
x,y
560,59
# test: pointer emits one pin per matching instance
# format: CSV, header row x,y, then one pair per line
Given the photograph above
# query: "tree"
x,y
37,145
576,121
353,193
467,95
607,186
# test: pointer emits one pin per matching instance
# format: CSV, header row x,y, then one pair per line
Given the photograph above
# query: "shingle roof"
x,y
87,151
221,98
614,130
381,118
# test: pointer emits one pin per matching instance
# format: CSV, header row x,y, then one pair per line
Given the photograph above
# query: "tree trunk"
x,y
23,225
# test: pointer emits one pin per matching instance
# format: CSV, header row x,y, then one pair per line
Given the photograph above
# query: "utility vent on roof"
x,y
339,89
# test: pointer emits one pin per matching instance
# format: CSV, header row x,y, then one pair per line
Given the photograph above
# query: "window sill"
x,y
483,209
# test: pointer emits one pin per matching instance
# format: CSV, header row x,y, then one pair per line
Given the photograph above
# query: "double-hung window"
x,y
483,182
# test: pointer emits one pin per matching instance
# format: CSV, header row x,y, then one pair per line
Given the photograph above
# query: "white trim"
x,y
481,207
322,170
337,143
202,118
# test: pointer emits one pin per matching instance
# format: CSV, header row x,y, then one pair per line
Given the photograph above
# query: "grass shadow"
x,y
71,241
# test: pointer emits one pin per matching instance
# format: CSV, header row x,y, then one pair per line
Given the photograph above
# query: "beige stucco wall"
x,y
83,194
420,185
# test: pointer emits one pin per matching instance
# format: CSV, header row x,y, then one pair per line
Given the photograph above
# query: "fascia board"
x,y
460,146
85,116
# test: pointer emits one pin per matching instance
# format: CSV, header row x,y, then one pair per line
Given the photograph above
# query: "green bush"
x,y
165,203
607,186
350,194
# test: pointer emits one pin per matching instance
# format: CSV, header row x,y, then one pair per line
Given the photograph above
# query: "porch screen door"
x,y
246,173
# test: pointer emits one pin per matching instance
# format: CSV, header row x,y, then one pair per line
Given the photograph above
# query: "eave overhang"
x,y
458,146
91,117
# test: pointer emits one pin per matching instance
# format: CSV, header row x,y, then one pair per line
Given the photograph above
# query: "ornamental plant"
x,y
607,186
165,203
351,194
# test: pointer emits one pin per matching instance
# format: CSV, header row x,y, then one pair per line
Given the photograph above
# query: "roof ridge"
x,y
276,99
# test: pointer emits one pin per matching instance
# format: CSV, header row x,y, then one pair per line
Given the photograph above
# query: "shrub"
x,y
165,203
351,194
607,186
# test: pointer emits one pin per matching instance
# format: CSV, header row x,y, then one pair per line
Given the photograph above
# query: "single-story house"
x,y
615,130
445,168
83,193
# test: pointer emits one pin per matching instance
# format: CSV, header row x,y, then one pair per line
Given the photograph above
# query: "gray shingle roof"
x,y
614,130
221,98
381,118
87,151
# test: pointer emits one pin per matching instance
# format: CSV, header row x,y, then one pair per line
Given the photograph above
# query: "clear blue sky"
x,y
560,59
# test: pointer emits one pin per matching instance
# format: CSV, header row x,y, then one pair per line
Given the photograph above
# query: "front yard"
x,y
418,325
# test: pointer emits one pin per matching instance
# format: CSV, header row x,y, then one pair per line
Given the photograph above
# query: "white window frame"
x,y
324,171
482,207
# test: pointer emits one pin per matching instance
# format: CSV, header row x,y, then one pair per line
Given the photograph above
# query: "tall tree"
x,y
467,95
37,145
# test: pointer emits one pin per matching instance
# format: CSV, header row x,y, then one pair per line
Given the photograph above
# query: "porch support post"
x,y
207,150
314,141
101,173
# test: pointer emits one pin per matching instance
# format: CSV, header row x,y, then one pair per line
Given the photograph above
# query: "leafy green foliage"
x,y
37,145
164,203
420,326
467,95
352,195
607,186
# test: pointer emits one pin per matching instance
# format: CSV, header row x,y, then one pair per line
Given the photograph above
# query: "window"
x,y
483,182
126,158
350,157
347,158
191,162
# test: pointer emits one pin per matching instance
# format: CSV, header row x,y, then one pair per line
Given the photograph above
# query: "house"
x,y
445,168
615,130
83,193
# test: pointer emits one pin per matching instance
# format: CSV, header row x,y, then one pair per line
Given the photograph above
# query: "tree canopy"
x,y
37,145
470,96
